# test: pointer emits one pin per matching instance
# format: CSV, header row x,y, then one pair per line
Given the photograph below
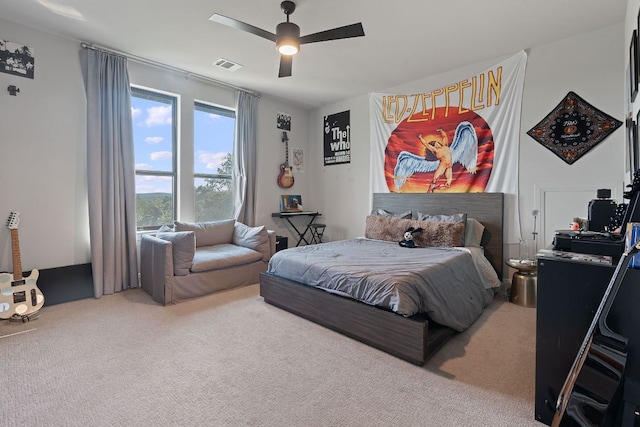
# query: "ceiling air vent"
x,y
227,65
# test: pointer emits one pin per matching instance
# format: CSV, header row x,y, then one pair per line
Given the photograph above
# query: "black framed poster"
x,y
633,65
632,138
337,138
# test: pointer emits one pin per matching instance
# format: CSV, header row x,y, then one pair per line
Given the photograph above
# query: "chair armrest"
x,y
156,268
272,242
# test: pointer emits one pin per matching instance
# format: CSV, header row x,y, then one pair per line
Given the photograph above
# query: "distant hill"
x,y
152,195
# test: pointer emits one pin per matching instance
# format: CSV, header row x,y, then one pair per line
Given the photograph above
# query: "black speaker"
x,y
601,211
282,242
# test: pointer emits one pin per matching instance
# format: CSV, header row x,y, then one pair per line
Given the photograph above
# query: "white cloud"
x,y
161,155
211,160
153,184
154,139
143,166
158,116
135,112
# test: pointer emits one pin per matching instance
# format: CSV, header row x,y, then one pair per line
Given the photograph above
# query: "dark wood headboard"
x,y
488,208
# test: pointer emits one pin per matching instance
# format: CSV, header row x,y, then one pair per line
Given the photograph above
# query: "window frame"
x,y
207,107
173,100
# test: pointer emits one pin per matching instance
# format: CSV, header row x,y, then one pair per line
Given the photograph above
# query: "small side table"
x,y
524,283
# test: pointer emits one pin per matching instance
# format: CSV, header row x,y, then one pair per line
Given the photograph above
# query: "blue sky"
x,y
152,125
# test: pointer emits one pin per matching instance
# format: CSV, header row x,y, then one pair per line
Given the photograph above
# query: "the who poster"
x,y
337,138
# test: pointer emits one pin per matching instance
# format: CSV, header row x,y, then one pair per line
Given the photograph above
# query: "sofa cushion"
x,y
209,233
221,256
183,247
256,238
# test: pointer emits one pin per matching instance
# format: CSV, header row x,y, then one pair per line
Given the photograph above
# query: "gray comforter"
x,y
444,283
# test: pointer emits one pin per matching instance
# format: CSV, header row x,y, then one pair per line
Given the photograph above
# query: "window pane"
x,y
152,132
154,201
214,129
154,137
213,199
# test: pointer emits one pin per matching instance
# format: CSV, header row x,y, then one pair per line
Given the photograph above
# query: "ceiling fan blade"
x,y
348,31
285,65
239,25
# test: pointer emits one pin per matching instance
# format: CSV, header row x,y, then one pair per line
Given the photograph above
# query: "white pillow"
x,y
209,233
386,214
460,217
256,238
183,245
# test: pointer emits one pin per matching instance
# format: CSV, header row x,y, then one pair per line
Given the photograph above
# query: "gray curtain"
x,y
110,170
245,158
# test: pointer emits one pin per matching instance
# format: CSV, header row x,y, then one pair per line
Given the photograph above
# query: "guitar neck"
x,y
15,249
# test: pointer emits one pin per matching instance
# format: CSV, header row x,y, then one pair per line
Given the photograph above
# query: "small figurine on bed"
x,y
408,242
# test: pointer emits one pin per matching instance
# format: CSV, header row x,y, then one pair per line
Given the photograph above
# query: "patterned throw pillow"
x,y
448,234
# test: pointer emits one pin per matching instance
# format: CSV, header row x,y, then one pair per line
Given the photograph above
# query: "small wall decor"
x,y
16,59
298,159
337,138
573,128
284,121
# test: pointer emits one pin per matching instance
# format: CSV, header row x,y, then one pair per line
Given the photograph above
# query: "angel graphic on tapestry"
x,y
463,149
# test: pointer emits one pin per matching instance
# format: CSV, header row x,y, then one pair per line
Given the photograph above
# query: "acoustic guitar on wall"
x,y
285,179
20,298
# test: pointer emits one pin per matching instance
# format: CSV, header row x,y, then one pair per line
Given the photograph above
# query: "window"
x,y
214,135
154,134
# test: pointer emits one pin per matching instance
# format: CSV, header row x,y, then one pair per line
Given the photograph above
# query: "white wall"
x,y
42,147
590,64
43,155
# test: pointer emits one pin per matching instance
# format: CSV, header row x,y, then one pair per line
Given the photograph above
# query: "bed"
x,y
413,337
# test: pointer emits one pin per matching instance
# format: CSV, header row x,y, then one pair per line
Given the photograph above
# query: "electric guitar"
x,y
19,296
285,179
597,371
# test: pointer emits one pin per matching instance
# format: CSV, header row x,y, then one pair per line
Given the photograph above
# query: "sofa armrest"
x,y
272,242
156,268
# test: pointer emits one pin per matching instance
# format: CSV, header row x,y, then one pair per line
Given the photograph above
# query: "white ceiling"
x,y
405,40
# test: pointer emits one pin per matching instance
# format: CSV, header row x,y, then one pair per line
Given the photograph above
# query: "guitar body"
x,y
19,297
591,402
589,395
285,179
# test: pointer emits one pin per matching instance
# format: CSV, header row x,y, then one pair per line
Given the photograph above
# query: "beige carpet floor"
x,y
230,359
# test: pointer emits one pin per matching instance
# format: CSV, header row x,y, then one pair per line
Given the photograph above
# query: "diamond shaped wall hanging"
x,y
573,128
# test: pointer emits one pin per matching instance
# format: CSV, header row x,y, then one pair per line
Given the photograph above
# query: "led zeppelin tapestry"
x,y
460,138
573,128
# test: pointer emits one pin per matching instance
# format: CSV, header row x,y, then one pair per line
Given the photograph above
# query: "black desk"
x,y
288,215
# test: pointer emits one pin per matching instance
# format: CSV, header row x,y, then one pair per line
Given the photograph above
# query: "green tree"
x,y
214,199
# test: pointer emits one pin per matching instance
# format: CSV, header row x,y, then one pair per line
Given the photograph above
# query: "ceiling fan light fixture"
x,y
288,47
287,38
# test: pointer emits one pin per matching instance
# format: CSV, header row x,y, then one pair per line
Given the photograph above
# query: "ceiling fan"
x,y
287,36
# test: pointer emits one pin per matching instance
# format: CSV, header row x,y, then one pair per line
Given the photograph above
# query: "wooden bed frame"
x,y
414,338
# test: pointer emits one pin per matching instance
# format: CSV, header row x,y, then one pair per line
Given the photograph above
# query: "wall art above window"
x,y
573,128
16,59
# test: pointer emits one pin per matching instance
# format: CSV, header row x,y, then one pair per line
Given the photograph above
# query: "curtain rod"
x,y
166,67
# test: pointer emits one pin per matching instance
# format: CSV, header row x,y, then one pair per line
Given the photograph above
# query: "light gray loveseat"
x,y
196,259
